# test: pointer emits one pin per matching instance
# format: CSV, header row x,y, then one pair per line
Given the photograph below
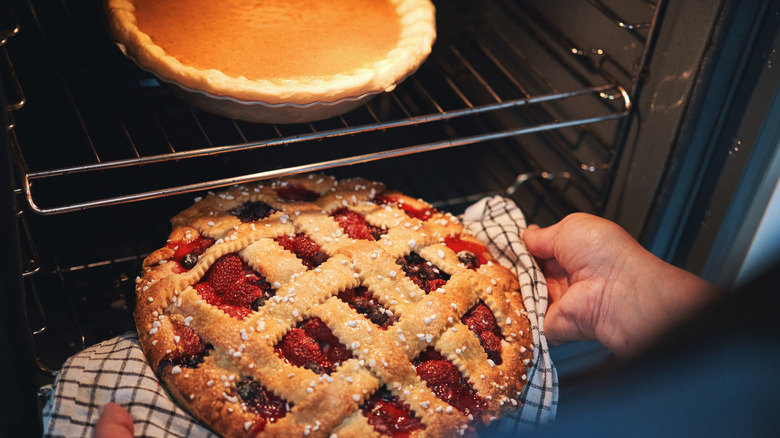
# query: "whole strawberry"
x,y
224,272
241,294
300,349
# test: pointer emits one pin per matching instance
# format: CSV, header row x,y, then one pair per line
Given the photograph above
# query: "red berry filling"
x,y
190,348
471,254
389,416
363,302
482,322
422,272
304,248
234,287
296,192
259,400
186,253
355,226
447,383
252,210
312,345
417,210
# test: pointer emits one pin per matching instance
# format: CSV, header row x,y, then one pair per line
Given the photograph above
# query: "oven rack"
x,y
466,57
504,85
30,178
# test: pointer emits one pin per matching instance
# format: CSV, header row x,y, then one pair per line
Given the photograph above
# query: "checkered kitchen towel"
x,y
500,224
117,371
114,371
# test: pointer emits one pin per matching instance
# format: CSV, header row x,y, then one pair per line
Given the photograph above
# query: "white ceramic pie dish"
x,y
261,112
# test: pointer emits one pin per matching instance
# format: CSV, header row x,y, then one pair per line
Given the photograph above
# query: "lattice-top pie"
x,y
277,51
315,307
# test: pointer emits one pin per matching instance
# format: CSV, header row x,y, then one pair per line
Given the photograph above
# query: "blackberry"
x,y
189,260
469,259
377,315
318,258
252,210
257,303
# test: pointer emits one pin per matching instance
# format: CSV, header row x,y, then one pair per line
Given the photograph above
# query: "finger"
x,y
114,422
541,241
556,278
568,319
559,328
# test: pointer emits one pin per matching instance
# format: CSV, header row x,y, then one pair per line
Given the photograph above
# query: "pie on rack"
x,y
295,52
310,306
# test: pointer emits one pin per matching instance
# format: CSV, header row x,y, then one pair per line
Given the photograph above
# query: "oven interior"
x,y
524,99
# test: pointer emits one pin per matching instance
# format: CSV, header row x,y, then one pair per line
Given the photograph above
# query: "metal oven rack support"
x,y
594,58
476,55
30,178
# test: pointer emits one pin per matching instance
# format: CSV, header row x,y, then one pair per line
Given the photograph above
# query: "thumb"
x,y
541,241
114,422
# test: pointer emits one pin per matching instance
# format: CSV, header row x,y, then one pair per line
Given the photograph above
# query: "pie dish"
x,y
299,55
309,306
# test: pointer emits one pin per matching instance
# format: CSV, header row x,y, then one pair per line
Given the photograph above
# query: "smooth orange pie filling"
x,y
273,38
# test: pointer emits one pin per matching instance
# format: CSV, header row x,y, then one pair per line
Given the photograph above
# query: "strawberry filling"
x,y
252,211
422,272
482,322
186,254
312,345
355,226
304,248
471,254
234,287
389,416
296,192
259,400
364,303
417,210
447,383
190,349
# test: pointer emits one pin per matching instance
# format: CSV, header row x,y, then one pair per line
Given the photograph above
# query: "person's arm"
x,y
603,285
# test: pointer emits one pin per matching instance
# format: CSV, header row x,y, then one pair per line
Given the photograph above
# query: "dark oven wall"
x,y
523,99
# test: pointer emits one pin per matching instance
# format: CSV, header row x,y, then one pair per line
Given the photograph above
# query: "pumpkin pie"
x,y
277,52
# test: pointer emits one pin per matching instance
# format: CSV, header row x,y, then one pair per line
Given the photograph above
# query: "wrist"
x,y
659,297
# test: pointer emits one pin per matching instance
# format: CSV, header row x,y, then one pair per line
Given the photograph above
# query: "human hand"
x,y
603,285
113,422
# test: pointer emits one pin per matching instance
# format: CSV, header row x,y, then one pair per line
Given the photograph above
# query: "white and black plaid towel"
x,y
117,371
500,224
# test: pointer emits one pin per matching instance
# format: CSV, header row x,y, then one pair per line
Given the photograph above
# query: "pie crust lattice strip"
x,y
314,307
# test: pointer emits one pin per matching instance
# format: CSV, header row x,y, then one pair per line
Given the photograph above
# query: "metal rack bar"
x,y
313,167
289,140
18,99
552,136
581,54
9,25
619,21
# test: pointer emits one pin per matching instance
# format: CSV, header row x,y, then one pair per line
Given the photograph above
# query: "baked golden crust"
x,y
323,404
416,35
